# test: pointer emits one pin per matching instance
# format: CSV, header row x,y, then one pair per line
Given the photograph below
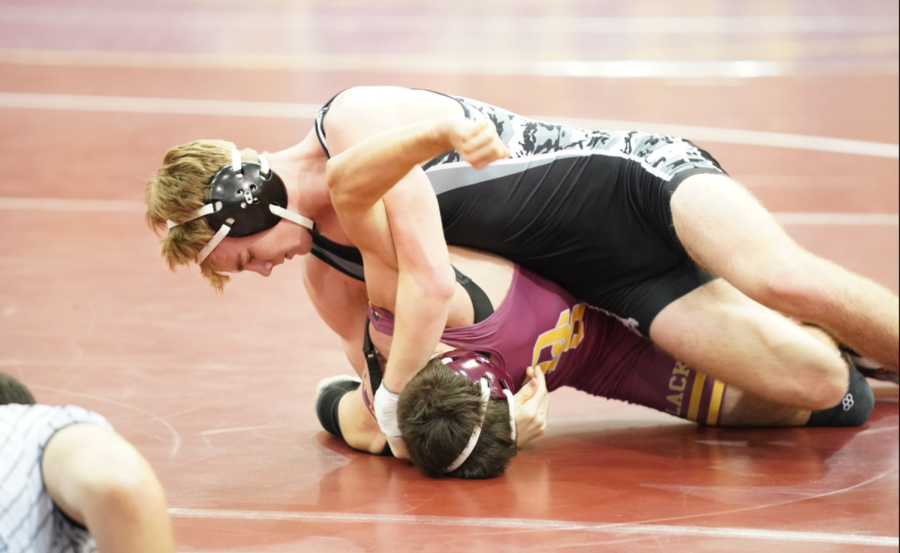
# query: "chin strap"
x,y
292,217
216,240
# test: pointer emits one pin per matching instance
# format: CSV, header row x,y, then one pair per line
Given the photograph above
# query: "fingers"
x,y
528,389
541,396
545,396
532,405
479,144
529,374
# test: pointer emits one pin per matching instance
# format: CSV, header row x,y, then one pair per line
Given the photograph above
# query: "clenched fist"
x,y
476,141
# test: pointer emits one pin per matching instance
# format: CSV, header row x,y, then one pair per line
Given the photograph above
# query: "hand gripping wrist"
x,y
386,411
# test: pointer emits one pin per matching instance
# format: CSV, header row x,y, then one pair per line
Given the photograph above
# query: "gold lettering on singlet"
x,y
566,335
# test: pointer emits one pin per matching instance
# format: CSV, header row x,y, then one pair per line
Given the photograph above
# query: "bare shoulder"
x,y
360,112
78,460
82,435
75,440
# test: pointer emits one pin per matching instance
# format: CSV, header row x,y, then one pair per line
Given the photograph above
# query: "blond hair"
x,y
177,190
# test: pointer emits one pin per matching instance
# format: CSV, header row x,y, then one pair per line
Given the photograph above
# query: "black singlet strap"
x,y
465,108
481,304
375,376
345,259
320,123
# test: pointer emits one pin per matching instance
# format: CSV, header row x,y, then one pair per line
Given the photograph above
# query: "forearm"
x,y
419,320
364,173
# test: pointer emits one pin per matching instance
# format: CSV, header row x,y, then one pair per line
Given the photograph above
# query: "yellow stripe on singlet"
x,y
715,403
696,396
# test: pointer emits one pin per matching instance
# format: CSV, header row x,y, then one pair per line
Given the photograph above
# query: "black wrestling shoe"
x,y
869,368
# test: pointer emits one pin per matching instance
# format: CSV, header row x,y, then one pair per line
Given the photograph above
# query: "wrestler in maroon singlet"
x,y
540,324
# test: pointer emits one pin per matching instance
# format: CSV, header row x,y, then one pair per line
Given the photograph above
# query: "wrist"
x,y
441,133
386,411
393,385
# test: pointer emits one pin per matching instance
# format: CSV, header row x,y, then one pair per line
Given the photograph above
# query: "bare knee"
x,y
826,384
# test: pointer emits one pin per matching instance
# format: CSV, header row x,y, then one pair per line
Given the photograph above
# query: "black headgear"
x,y
247,198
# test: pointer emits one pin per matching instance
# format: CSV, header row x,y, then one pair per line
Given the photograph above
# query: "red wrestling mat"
x,y
217,391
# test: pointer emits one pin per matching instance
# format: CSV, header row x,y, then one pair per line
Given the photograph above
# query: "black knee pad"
x,y
328,401
853,410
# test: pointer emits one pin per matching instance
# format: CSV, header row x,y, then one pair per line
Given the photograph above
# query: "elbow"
x,y
345,195
333,178
332,173
128,498
130,494
439,284
432,284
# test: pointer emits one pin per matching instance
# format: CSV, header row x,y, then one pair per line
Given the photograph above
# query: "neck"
x,y
302,168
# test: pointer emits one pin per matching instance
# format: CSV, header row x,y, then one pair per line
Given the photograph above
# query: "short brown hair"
x,y
438,411
177,190
13,391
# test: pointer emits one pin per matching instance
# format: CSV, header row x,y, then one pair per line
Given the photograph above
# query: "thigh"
x,y
721,332
726,230
637,305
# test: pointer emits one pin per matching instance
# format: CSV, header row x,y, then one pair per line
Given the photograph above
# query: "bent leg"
x,y
725,229
741,409
724,334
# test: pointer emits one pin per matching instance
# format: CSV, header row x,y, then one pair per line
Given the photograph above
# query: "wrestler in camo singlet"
x,y
586,209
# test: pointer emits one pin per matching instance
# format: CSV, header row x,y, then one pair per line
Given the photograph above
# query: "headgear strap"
x,y
494,382
246,199
473,440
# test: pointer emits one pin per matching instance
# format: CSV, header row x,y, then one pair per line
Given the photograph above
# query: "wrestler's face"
x,y
262,252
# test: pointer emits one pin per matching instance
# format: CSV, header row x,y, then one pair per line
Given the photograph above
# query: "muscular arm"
x,y
387,207
101,481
